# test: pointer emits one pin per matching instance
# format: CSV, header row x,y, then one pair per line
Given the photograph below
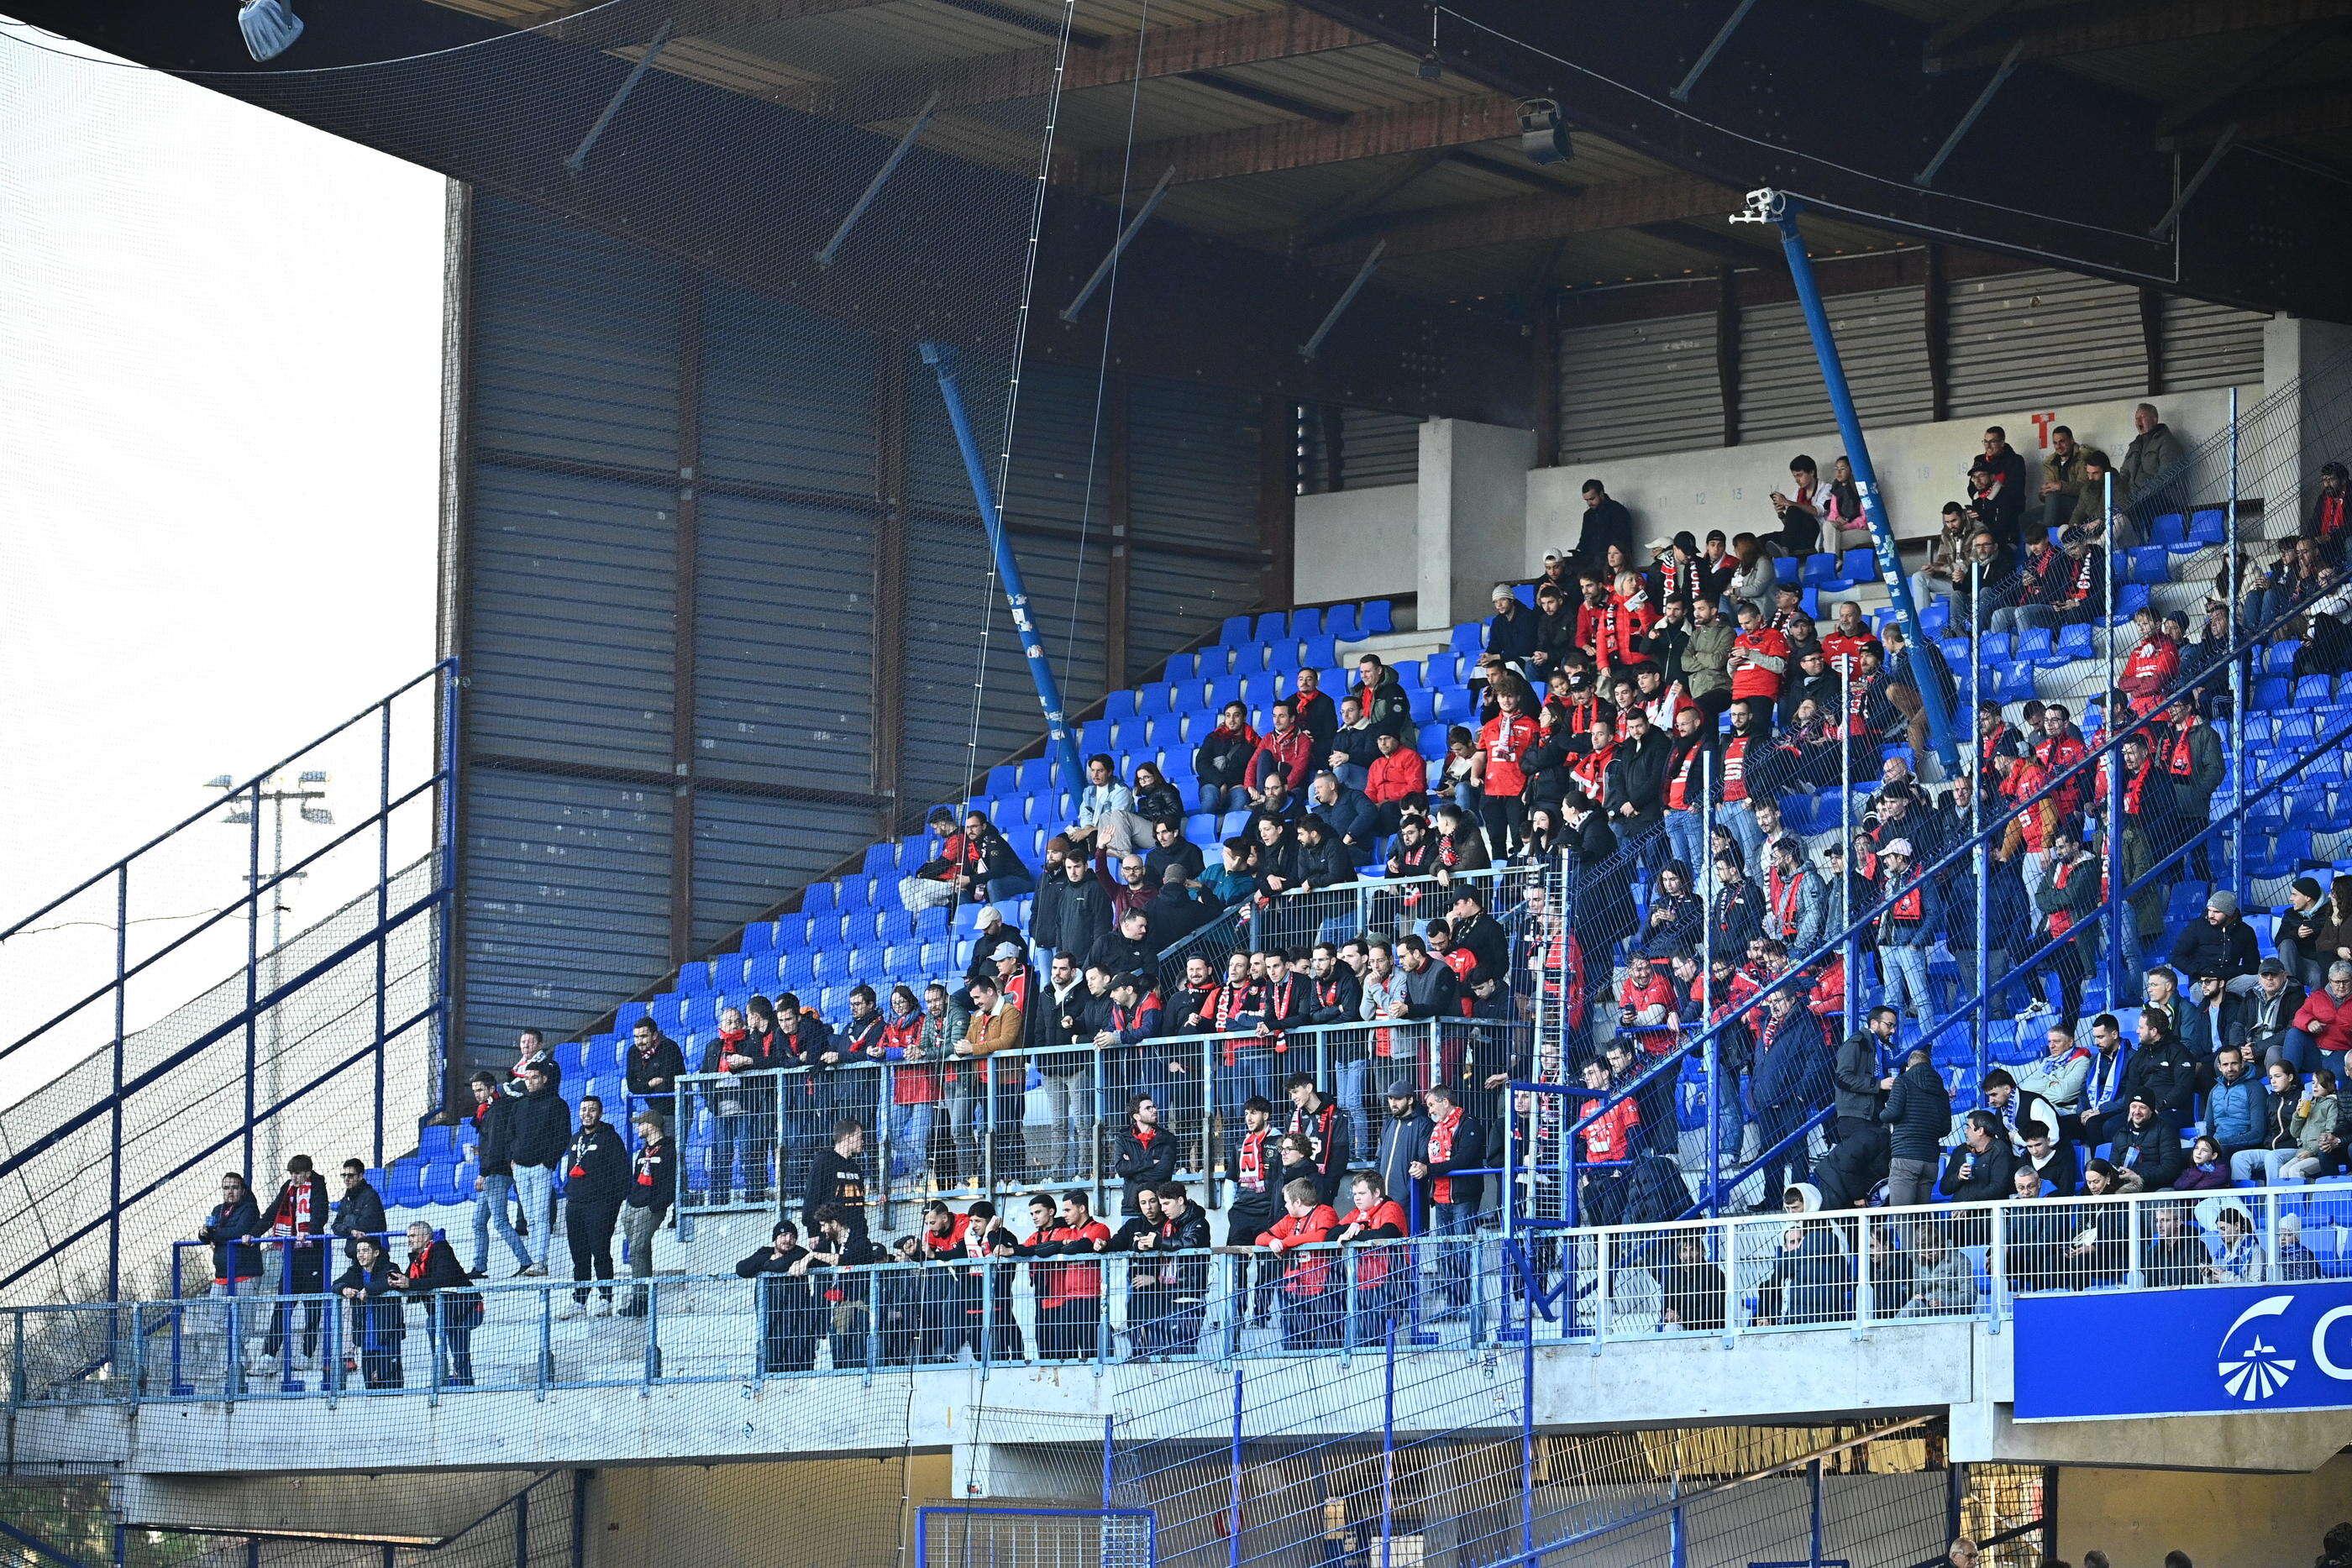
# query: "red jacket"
x,y
1310,1274
1505,739
2327,1020
2148,671
1760,673
1609,1139
1623,622
1293,753
1058,1282
1399,776
1842,649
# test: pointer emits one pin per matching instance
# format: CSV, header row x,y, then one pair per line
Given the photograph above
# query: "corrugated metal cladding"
x,y
2208,345
1634,387
615,399
1193,459
1882,340
2043,337
567,895
1379,449
570,646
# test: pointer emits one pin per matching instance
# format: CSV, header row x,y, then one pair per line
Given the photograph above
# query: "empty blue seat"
x,y
2310,690
2016,686
1270,627
1339,623
1235,633
1373,620
2035,646
1444,669
1999,647
2150,565
1788,568
1469,637
1259,692
1120,704
1861,565
1234,822
2210,526
1818,568
1151,702
2129,597
1429,741
2168,530
1318,652
2273,691
1422,703
1453,707
1955,652
1306,623
2074,642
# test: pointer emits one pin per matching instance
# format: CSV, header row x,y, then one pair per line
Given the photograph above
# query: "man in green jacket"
x,y
1706,658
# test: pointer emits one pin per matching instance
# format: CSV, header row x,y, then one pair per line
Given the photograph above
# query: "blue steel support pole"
x,y
2237,674
1110,1434
1976,821
1866,478
1707,988
1527,1436
1062,744
1851,959
1677,1541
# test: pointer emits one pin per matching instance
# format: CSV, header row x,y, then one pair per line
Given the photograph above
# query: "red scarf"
x,y
728,1041
1441,1150
1735,769
1317,1125
1251,1158
2061,920
1678,788
2176,758
1782,896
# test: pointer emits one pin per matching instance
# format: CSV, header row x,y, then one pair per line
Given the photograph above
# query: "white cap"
x,y
1006,950
1897,847
1505,590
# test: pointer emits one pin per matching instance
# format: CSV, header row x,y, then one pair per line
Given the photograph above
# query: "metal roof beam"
x,y
1018,74
1626,205
1691,237
1439,124
2128,23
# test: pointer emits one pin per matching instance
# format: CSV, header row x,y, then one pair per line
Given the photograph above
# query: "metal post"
x,y
831,248
2238,711
1976,824
1956,1491
2116,708
1677,1541
1062,745
1110,1434
444,882
1234,1499
1851,957
383,919
1707,986
252,973
1527,1435
114,1113
1813,1530
1783,211
1388,1444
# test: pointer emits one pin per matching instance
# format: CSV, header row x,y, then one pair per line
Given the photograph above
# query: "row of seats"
x,y
1341,623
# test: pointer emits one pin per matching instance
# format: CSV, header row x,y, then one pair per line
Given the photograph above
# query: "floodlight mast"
x,y
1782,209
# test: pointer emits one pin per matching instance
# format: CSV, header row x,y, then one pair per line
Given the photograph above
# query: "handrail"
x,y
446,666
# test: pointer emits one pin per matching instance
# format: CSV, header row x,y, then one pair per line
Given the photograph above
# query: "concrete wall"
x,y
844,1514
1366,543
1357,544
2138,1516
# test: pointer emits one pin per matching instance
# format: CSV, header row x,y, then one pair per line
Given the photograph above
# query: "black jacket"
x,y
1337,997
1919,1113
2204,948
1469,1152
665,1061
320,1210
1142,1165
359,1212
1856,1072
1329,1130
2167,1073
1326,864
1431,991
1223,759
1083,912
1637,775
653,1179
1972,1177
597,1169
2152,1149
1115,952
539,1125
835,1178
1401,1143
227,1224
494,1155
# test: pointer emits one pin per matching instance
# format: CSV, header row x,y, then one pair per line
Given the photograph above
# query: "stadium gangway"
x,y
1728,1278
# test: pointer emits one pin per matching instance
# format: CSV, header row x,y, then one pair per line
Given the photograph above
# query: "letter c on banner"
x,y
2319,1346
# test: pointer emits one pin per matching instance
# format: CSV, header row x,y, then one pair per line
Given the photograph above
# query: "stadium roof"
x,y
1294,137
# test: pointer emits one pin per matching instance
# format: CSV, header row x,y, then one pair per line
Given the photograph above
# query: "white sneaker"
x,y
2035,1009
600,1309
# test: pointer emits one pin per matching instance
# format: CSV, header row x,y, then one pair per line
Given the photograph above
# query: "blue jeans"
x,y
1741,819
1682,833
535,1186
490,1209
1453,1261
1906,981
1006,889
910,1136
1352,776
1349,1077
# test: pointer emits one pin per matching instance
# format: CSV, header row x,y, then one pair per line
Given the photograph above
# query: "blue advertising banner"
x,y
2194,1352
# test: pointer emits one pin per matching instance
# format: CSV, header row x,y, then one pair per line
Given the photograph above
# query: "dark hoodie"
x,y
1919,1114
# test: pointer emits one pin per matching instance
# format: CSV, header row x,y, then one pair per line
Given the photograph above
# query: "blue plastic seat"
x,y
2150,565
2310,690
1526,594
1151,702
1453,707
1860,565
1818,568
2168,531
1259,692
1120,704
1270,627
1234,822
2129,598
1235,633
1788,568
1223,690
1469,637
1318,652
1955,652
2210,526
1444,669
1999,647
2273,691
2037,646
1035,774
1373,619
2076,642
2016,686
1339,623
1305,624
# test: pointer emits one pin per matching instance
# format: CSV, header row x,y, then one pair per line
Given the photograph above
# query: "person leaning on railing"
x,y
434,1280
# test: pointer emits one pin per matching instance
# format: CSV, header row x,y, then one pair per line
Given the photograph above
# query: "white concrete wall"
x,y
1357,544
1920,467
2138,1516
1366,543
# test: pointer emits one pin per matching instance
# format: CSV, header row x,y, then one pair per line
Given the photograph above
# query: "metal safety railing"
x,y
1730,1278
